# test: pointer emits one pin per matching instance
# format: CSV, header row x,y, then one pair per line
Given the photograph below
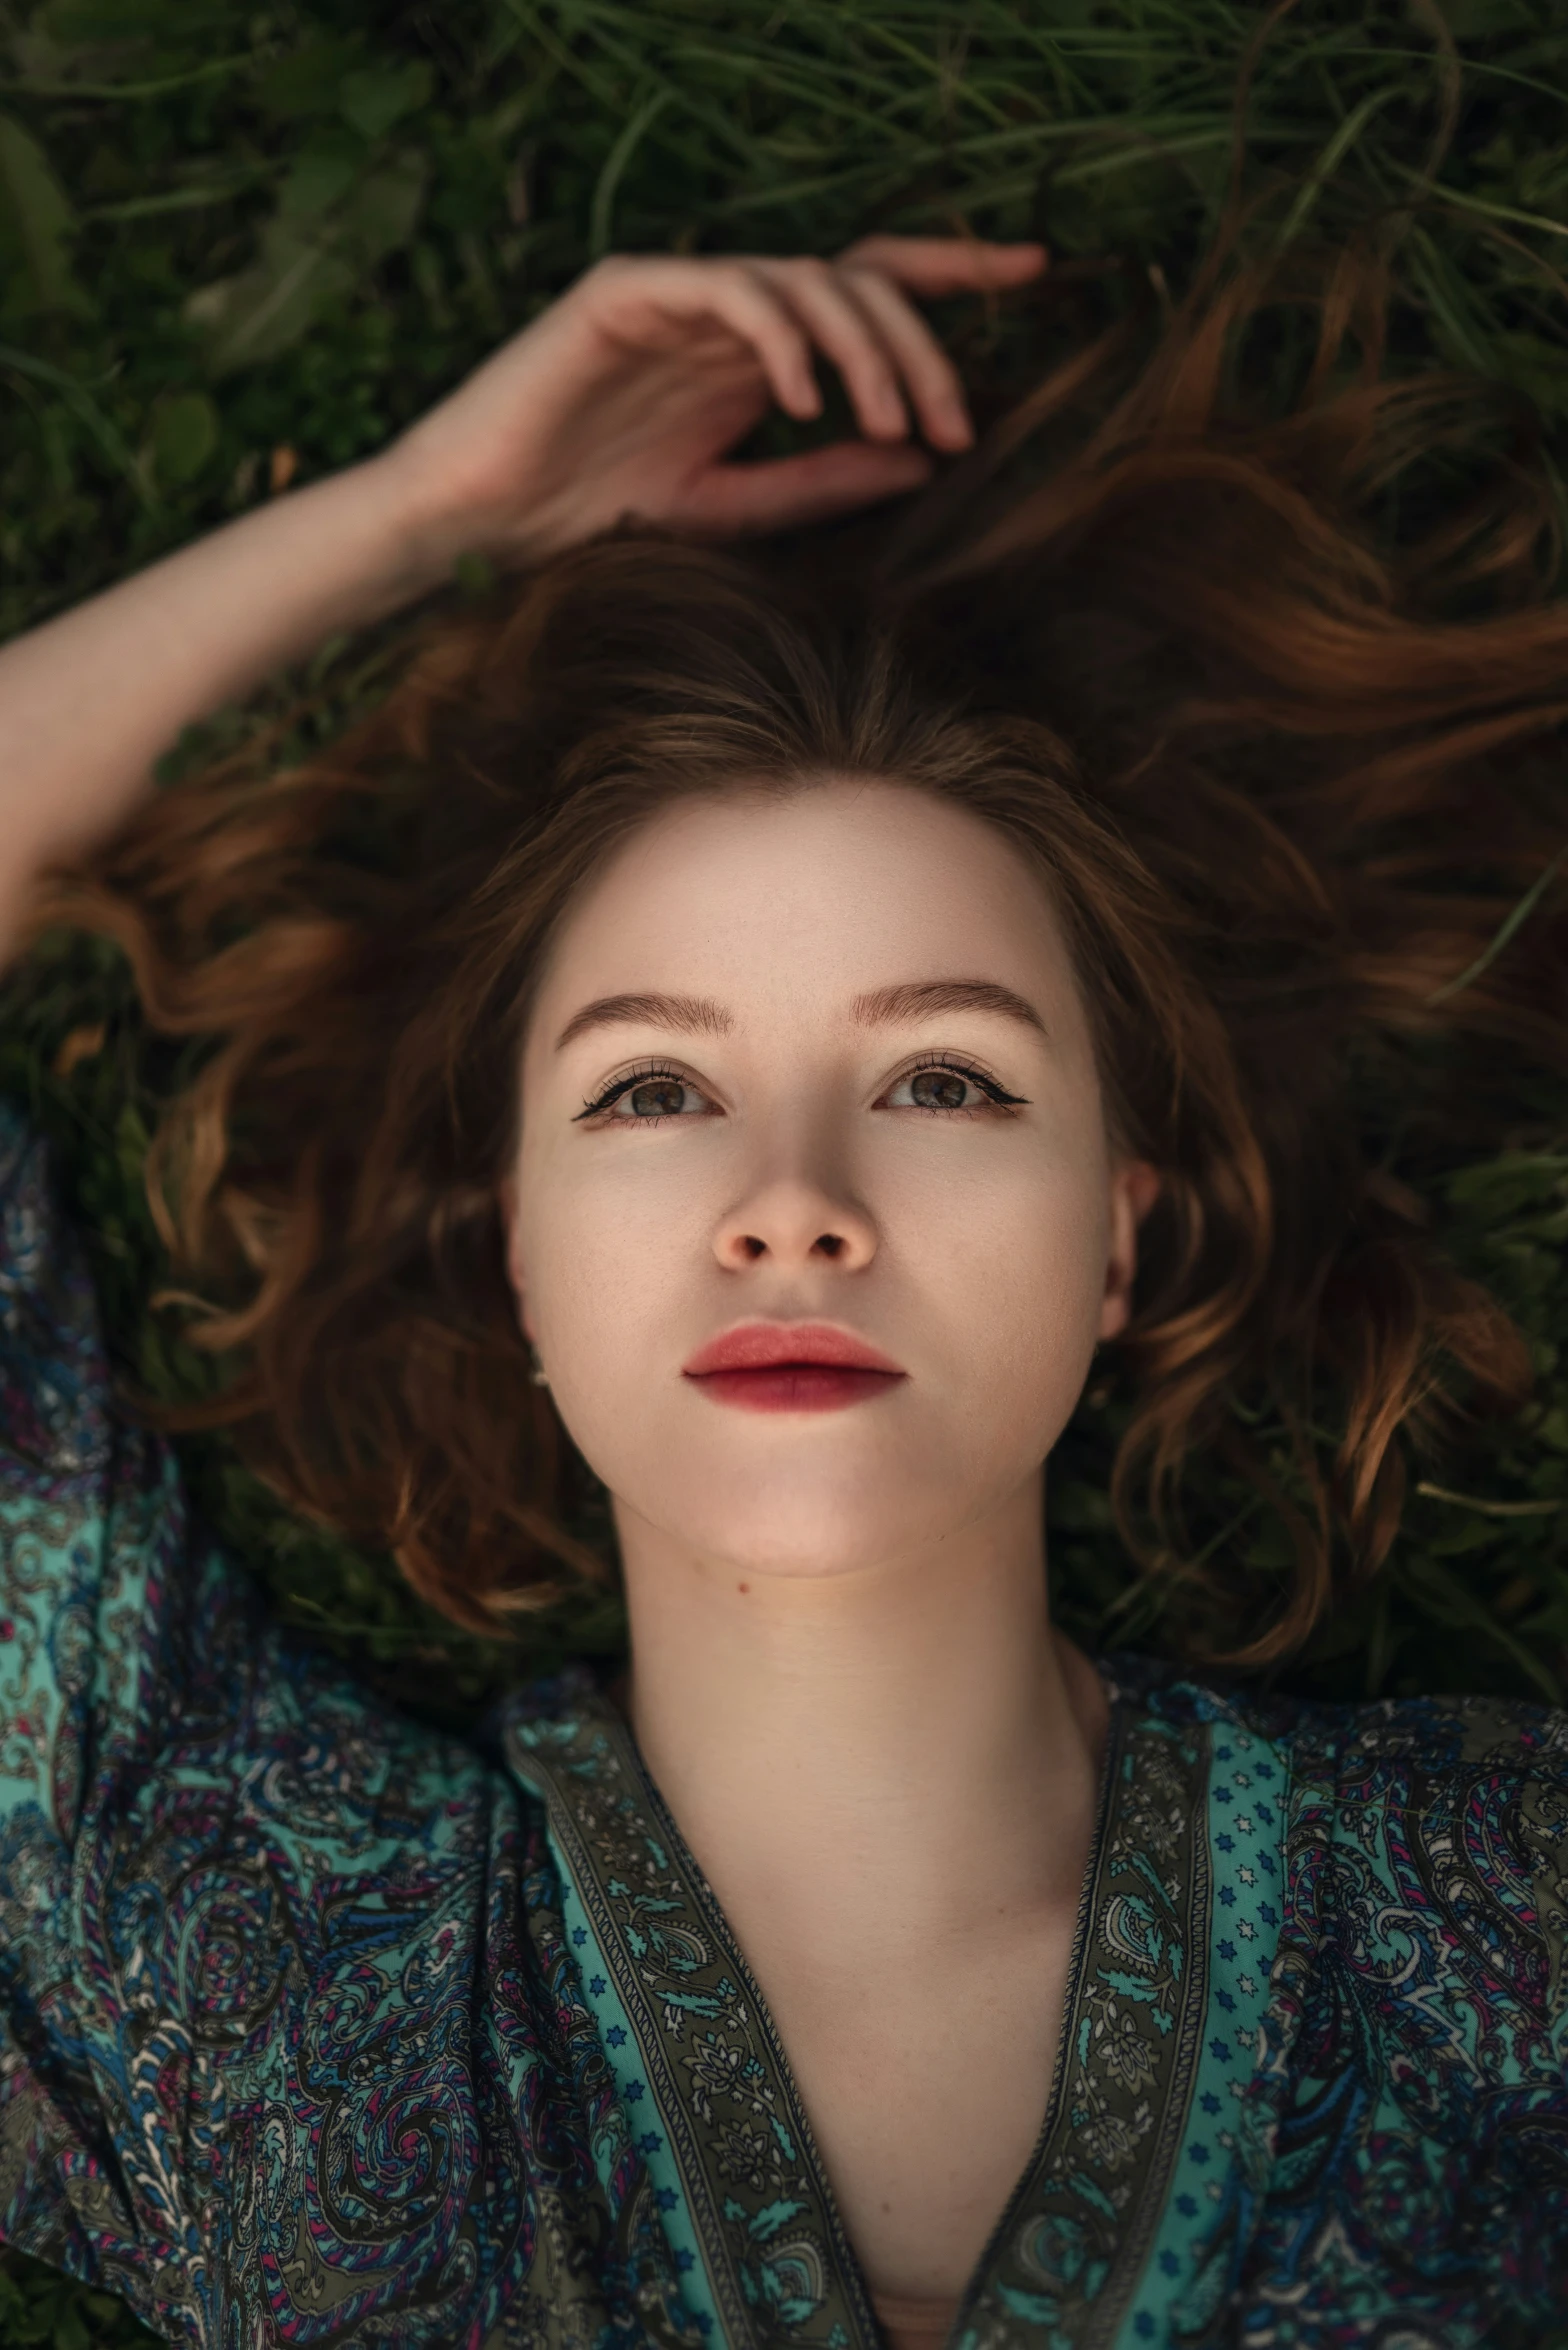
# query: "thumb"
x,y
780,492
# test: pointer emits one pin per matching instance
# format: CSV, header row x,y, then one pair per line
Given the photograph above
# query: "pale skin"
x,y
845,1679
848,1608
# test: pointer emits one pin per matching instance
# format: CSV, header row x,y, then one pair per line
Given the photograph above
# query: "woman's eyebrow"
x,y
920,999
696,1015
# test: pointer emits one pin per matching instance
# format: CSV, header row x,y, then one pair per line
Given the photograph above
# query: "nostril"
x,y
830,1243
753,1246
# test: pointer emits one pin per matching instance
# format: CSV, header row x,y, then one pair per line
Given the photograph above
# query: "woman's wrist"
x,y
433,524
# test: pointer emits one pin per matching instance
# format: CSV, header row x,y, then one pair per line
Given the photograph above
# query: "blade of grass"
x,y
86,409
1508,931
601,211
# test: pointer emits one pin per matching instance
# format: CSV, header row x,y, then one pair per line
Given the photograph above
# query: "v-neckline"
x,y
584,1759
725,1935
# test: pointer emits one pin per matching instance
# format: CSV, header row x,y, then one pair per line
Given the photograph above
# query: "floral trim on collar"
x,y
1067,2253
779,2263
1070,2250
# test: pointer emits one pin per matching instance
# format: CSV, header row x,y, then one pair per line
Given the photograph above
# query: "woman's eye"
x,y
944,1088
659,1093
659,1097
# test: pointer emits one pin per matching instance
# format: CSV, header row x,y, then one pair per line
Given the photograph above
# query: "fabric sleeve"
x,y
270,2021
1532,2278
1415,2052
103,1595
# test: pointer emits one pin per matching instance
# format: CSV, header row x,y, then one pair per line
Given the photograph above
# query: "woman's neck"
x,y
897,1751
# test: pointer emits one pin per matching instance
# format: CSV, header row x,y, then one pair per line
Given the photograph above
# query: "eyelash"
x,y
999,1097
619,1085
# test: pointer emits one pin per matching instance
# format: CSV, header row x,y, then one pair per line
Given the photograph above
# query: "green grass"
x,y
239,241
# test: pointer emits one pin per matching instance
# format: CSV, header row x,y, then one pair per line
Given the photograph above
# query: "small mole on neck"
x,y
743,1586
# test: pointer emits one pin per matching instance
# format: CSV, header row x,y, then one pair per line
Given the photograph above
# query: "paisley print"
x,y
319,2028
1070,2249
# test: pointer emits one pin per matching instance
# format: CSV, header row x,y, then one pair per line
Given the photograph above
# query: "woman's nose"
x,y
795,1221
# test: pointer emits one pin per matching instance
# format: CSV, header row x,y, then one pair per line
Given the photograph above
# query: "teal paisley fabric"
x,y
319,2028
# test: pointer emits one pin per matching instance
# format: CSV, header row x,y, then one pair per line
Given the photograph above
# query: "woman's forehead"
x,y
833,890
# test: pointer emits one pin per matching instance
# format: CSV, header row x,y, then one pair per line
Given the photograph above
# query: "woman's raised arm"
x,y
623,398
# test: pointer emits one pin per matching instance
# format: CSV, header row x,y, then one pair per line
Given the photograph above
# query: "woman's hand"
x,y
626,396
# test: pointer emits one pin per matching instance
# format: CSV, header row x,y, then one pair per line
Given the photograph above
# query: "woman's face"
x,y
811,1076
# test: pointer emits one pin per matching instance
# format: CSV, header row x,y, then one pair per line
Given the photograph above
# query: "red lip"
x,y
791,1367
762,1346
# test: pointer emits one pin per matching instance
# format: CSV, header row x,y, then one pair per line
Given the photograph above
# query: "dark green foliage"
x,y
39,2307
242,243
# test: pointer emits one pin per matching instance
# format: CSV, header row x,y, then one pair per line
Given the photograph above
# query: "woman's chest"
x,y
926,2091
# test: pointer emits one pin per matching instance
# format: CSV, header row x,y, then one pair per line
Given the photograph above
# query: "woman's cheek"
x,y
1007,1245
619,1251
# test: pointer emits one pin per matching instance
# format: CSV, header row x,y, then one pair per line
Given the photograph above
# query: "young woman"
x,y
776,1021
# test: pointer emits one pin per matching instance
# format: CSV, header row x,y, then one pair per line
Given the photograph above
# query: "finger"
x,y
736,296
929,376
947,265
780,493
847,332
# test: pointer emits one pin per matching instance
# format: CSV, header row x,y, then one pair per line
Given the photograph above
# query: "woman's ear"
x,y
1135,1186
506,1201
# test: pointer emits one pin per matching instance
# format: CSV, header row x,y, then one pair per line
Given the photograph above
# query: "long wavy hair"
x,y
1286,758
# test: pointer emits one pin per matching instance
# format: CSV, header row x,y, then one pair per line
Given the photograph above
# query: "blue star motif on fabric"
x,y
649,2142
1226,1843
1209,2101
597,1987
703,2322
1224,1997
1228,1896
1223,1753
635,2092
1187,2205
684,2260
1143,2324
1170,2263
616,2035
666,2198
1222,2050
1223,1795
1197,2154
1268,1913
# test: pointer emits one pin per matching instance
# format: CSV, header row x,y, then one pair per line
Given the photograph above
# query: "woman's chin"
x,y
788,1528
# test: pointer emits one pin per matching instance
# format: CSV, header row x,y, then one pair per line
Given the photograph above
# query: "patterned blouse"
x,y
319,2027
